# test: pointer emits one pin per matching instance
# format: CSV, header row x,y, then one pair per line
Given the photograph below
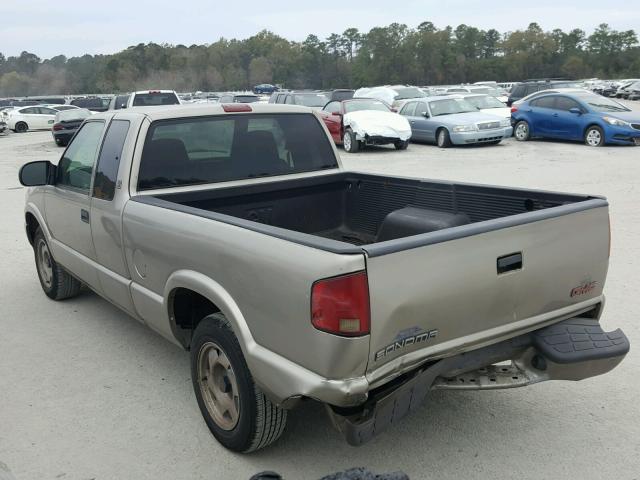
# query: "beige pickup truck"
x,y
233,231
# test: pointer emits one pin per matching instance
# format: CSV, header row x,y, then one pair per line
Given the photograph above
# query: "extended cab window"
x,y
75,168
232,147
104,185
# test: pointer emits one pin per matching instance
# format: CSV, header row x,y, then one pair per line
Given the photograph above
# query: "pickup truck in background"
x,y
233,231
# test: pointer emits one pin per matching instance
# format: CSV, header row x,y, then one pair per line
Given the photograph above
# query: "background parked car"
x,y
522,89
488,104
264,88
95,104
149,98
118,101
315,100
61,108
30,118
66,123
241,98
622,92
391,94
634,91
358,122
451,120
577,116
340,94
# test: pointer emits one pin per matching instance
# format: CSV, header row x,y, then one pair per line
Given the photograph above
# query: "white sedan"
x,y
31,118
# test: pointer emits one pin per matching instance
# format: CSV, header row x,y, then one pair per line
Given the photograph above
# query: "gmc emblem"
x,y
582,289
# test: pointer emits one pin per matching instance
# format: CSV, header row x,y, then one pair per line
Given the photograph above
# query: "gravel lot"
x,y
86,392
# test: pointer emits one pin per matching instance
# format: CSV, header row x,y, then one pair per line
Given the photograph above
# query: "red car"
x,y
358,122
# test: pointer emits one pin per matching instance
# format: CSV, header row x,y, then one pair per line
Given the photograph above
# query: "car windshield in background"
x,y
485,101
409,92
450,106
359,105
223,148
312,100
599,103
245,98
152,99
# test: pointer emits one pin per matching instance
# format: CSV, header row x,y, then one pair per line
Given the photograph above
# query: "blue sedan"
x,y
580,116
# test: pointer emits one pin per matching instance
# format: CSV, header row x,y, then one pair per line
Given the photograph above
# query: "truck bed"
x,y
348,209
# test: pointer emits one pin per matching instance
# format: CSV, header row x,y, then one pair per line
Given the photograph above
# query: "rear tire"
x,y
522,131
56,282
443,138
594,136
21,127
350,142
401,144
234,408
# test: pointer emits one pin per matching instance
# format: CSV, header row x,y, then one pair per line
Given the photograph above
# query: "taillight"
x,y
57,127
236,107
340,305
514,108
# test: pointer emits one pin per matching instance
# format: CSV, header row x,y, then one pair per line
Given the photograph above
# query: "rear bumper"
x,y
574,349
463,138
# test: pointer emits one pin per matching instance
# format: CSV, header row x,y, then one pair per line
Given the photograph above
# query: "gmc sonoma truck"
x,y
233,231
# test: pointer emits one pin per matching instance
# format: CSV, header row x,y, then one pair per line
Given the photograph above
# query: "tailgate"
x,y
444,294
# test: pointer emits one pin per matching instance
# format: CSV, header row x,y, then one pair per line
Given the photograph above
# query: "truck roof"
x,y
202,109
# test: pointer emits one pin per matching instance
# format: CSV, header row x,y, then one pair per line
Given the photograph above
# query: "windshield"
x,y
409,92
598,103
311,100
155,98
450,106
358,105
485,101
190,151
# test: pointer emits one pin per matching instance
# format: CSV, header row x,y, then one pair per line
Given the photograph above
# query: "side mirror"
x,y
394,110
425,114
40,172
575,110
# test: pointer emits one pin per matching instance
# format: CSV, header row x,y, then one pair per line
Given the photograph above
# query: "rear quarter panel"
x,y
269,279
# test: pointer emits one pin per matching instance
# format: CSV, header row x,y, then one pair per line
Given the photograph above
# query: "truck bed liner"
x,y
336,212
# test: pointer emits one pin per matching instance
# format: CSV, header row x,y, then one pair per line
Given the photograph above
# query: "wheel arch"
x,y
189,296
34,219
593,123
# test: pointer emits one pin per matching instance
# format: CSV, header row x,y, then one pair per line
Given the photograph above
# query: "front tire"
x,y
234,408
443,138
21,127
350,142
594,137
56,282
522,131
401,144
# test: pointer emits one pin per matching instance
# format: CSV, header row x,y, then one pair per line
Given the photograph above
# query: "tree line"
x,y
425,55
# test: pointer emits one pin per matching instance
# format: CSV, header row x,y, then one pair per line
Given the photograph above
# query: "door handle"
x,y
555,114
84,215
508,263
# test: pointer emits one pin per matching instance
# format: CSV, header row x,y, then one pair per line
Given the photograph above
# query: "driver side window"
x,y
76,166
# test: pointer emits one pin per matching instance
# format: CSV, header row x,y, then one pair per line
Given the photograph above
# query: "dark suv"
x,y
522,89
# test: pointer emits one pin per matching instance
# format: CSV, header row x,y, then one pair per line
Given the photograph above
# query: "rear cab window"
x,y
155,98
232,147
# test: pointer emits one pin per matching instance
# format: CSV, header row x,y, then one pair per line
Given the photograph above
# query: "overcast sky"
x,y
72,27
